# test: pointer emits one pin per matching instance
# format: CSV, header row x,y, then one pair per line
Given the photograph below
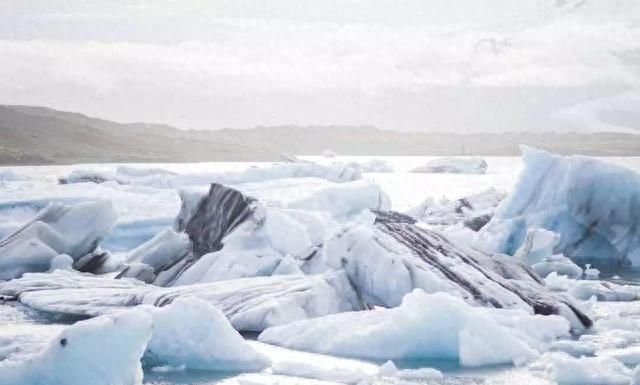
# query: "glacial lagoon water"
x,y
144,211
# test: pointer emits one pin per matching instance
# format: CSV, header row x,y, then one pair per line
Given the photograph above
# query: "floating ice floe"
x,y
454,166
334,173
104,350
188,333
192,334
389,369
591,272
473,211
538,251
567,370
590,203
289,158
250,304
327,153
628,355
8,175
321,367
124,175
373,165
585,289
437,326
166,179
93,176
75,230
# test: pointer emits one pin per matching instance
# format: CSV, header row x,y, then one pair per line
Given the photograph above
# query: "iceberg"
x,y
92,176
290,158
234,235
344,201
322,367
538,245
328,153
537,250
189,333
628,355
566,370
590,203
373,165
584,290
159,178
334,173
158,254
557,264
250,304
454,166
75,230
103,350
389,369
393,256
8,175
435,326
192,334
473,211
142,171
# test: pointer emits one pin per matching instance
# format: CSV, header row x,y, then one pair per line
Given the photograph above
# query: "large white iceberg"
x,y
104,350
437,326
75,230
592,204
454,166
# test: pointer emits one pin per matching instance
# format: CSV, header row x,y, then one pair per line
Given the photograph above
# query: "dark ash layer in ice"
x,y
388,261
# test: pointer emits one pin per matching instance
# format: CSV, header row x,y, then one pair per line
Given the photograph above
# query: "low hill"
x,y
39,135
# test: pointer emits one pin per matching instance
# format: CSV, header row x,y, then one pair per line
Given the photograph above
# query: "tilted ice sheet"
x,y
387,259
251,304
74,230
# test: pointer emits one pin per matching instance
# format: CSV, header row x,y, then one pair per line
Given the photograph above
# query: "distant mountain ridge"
x,y
40,135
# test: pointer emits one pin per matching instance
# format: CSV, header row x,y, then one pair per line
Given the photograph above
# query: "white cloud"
x,y
201,64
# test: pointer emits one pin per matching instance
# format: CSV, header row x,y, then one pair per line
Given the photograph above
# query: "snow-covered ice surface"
x,y
146,199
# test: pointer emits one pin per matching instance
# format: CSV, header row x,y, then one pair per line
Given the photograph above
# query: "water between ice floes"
x,y
144,211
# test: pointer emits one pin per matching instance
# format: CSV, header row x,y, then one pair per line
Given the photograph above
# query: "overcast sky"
x,y
444,65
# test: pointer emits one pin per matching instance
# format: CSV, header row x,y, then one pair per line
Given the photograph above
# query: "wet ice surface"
x,y
145,211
